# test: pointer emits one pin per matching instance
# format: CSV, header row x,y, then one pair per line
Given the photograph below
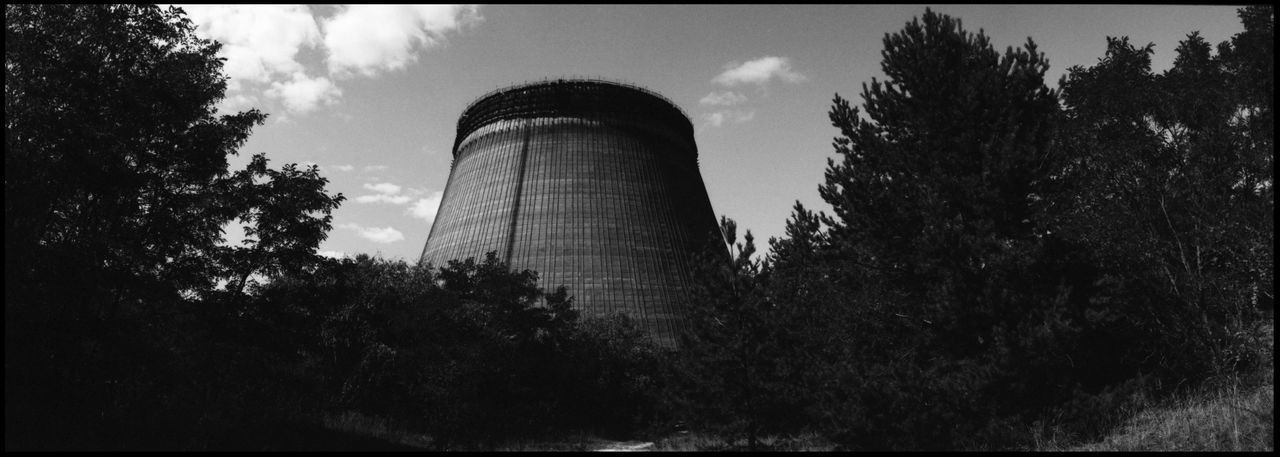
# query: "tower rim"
x,y
587,97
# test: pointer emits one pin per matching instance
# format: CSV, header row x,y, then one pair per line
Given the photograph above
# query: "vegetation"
x,y
1235,413
466,353
1006,266
1215,421
117,189
1003,256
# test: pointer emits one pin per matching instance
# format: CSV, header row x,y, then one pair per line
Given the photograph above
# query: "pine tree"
x,y
941,227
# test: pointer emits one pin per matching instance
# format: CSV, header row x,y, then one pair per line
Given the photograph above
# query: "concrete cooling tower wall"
x,y
592,184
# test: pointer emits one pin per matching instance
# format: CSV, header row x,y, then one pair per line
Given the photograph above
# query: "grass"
x,y
575,442
386,430
706,442
1229,419
1235,415
375,427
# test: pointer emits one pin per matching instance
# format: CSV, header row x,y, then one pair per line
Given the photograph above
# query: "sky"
x,y
372,93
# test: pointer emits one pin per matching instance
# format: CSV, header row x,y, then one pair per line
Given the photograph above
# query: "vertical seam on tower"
x,y
515,210
665,193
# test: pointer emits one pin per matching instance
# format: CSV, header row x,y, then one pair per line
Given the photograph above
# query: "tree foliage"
x,y
117,192
740,365
471,353
1001,254
940,199
1175,194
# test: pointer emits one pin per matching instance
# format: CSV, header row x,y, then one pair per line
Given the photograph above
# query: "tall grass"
x,y
707,442
385,429
575,442
1229,419
375,427
1235,414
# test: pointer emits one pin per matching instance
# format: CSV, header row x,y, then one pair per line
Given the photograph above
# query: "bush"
x,y
471,353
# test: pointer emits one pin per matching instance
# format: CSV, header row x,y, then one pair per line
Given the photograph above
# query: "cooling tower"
x,y
592,184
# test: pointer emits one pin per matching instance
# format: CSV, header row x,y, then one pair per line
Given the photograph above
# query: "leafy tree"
x,y
117,191
992,260
1175,199
995,260
617,375
114,156
472,354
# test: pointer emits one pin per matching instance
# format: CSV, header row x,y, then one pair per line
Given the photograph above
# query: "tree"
x,y
115,159
742,362
117,192
942,242
1175,199
998,260
472,353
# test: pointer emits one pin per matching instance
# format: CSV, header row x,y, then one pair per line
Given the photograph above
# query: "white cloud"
x,y
332,254
718,118
726,98
387,193
384,198
264,44
302,94
383,187
759,71
375,168
368,39
426,208
375,234
342,167
259,41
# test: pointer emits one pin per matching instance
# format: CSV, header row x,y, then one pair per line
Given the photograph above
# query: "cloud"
x,y
387,193
726,98
375,234
332,254
342,167
384,198
718,118
369,39
426,208
385,187
259,41
263,46
302,94
759,71
375,168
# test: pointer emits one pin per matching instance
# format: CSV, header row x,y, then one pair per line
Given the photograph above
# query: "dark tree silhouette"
x,y
738,370
117,192
1175,198
940,244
